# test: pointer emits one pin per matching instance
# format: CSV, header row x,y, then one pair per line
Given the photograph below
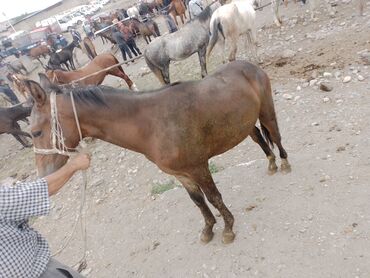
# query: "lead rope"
x,y
57,133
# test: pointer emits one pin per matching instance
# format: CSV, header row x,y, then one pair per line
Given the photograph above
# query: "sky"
x,y
13,8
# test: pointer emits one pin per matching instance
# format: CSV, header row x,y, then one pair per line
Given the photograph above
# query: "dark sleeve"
x,y
24,200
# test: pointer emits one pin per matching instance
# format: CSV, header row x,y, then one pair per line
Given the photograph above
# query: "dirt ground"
x,y
313,222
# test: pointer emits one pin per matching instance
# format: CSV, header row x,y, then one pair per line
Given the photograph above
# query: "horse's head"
x,y
41,124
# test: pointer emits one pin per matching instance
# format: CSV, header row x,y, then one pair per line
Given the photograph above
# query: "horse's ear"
x,y
45,82
38,94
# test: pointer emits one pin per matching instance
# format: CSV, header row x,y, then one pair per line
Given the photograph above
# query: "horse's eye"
x,y
36,134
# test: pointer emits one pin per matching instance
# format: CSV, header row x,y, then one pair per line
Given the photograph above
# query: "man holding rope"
x,y
24,253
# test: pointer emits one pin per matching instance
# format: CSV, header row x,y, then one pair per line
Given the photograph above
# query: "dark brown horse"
x,y
8,122
100,62
146,29
178,127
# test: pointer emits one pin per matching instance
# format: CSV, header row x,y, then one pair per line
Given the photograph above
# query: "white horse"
x,y
231,21
133,12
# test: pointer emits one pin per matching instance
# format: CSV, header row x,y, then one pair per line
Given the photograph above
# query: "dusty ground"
x,y
313,222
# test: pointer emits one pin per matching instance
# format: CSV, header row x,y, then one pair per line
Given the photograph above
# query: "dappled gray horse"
x,y
193,37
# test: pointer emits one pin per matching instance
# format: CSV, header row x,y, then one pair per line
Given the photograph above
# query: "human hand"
x,y
80,162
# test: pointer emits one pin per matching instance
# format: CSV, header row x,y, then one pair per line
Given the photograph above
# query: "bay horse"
x,y
100,62
229,22
177,127
177,8
38,51
88,48
192,38
8,122
65,57
146,29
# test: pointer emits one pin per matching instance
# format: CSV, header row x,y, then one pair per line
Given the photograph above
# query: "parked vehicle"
x,y
77,18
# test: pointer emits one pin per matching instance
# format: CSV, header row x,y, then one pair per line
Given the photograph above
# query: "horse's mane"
x,y
96,94
205,14
91,94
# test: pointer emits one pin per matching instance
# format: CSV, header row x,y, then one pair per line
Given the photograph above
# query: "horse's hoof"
x,y
206,237
134,88
228,237
272,170
285,167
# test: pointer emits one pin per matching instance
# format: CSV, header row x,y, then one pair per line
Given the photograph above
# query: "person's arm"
x,y
57,179
27,199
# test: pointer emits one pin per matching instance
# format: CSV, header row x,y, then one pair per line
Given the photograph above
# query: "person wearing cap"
x,y
120,40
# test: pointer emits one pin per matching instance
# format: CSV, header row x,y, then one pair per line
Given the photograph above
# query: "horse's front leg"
x,y
198,198
234,48
203,61
72,63
275,10
203,178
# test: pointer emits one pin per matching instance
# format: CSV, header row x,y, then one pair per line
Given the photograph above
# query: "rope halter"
x,y
56,132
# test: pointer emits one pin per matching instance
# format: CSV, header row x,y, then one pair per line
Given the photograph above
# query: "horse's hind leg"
x,y
203,178
198,198
270,129
119,72
258,138
202,60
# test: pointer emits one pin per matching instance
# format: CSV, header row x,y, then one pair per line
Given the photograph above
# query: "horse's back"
x,y
196,112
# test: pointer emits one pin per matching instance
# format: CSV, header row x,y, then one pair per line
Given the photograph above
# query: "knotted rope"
x,y
59,147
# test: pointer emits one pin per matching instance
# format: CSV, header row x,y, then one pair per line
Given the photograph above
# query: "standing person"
x,y
7,91
118,37
129,38
88,30
76,36
195,8
24,253
171,26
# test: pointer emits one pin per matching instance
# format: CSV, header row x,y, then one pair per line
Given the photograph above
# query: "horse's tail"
x,y
156,29
216,27
266,134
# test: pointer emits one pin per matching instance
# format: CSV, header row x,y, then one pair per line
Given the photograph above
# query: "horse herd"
x,y
180,126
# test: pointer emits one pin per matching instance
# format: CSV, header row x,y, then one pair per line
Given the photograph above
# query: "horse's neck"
x,y
116,123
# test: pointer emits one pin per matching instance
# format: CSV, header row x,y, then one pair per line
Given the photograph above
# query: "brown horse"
x,y
177,8
100,62
88,48
178,127
146,29
38,51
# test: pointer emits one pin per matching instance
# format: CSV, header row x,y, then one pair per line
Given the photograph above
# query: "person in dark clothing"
x,y
129,38
76,36
7,91
170,22
119,38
